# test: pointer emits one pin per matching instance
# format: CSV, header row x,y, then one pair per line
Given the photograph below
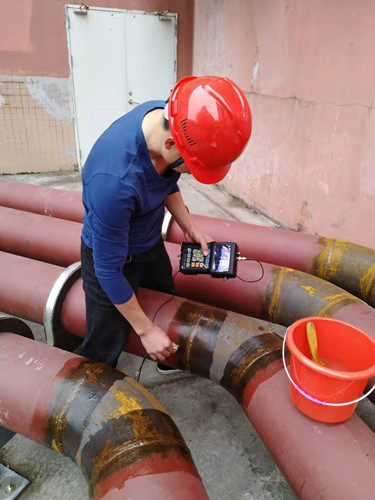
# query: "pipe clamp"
x,y
55,300
167,221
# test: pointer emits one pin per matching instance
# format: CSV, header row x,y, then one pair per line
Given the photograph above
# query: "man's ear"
x,y
169,143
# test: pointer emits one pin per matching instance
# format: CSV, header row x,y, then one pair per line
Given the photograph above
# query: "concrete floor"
x,y
227,451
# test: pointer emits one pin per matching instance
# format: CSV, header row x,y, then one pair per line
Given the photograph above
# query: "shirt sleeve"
x,y
111,204
175,189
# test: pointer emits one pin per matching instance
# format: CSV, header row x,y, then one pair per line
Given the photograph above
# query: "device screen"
x,y
221,260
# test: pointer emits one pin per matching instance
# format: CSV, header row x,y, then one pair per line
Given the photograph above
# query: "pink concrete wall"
x,y
33,35
308,71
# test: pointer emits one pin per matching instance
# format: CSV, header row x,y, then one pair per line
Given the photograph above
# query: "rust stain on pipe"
x,y
290,291
348,265
198,327
226,347
83,386
253,356
236,342
150,432
104,423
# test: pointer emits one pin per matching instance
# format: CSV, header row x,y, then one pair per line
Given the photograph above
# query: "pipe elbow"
x,y
118,434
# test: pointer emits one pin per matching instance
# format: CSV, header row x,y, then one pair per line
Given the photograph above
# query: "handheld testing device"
x,y
221,261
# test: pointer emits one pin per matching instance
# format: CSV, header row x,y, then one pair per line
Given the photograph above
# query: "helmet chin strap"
x,y
177,163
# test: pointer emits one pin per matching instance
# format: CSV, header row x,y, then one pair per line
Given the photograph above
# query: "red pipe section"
x,y
41,200
281,296
48,239
244,357
347,265
116,431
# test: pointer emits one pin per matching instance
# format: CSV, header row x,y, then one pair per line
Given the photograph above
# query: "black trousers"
x,y
106,328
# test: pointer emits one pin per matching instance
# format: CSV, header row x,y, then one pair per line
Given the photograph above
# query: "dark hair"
x,y
165,121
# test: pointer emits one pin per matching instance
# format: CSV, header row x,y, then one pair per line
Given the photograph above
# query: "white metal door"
x,y
118,59
150,56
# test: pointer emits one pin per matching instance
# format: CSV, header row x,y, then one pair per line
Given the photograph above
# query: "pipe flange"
x,y
167,221
55,300
15,325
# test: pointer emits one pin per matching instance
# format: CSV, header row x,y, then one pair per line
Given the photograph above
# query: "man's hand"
x,y
157,343
196,236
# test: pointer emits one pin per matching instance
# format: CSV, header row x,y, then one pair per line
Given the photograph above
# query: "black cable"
x,y
252,281
137,374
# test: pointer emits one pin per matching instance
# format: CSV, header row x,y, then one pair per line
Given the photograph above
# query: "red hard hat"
x,y
210,121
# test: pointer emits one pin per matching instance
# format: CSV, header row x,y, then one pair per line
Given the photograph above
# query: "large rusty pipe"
x,y
242,355
282,296
347,265
124,441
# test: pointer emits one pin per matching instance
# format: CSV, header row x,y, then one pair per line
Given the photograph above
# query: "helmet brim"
x,y
209,175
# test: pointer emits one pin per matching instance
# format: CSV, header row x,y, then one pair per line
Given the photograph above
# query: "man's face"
x,y
172,155
182,169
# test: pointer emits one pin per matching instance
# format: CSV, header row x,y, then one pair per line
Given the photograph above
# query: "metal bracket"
x,y
167,221
11,484
53,307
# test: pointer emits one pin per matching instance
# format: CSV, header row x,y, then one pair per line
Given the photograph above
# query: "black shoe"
x,y
166,370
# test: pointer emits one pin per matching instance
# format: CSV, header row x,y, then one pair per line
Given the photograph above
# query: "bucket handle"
x,y
315,400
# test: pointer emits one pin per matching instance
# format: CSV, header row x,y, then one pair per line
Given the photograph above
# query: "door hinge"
x,y
82,10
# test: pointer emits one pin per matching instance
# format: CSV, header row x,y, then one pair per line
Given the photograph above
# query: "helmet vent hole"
x,y
189,140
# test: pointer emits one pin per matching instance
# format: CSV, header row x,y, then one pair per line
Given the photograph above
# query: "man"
x,y
130,176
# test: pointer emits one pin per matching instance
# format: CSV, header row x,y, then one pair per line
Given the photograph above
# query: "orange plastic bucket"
x,y
329,393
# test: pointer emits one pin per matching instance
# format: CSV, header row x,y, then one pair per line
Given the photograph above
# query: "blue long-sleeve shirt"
x,y
124,199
